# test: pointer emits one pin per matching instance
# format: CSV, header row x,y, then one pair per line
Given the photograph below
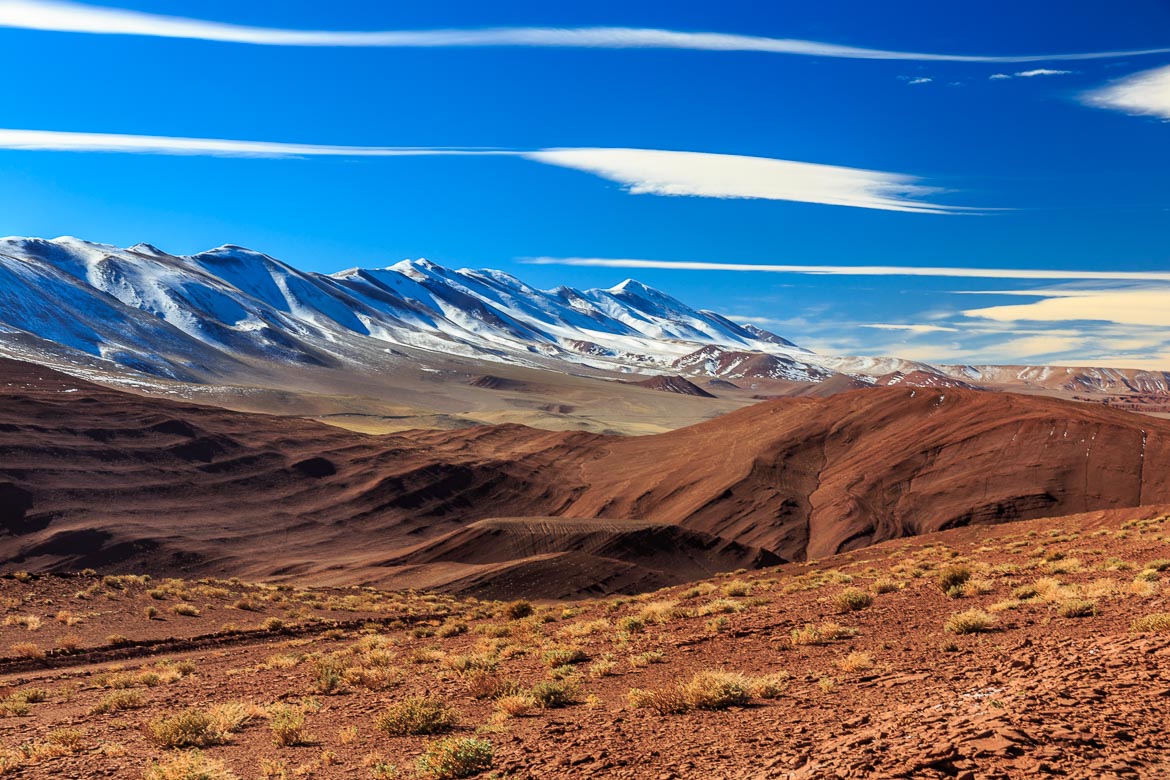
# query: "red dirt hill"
x,y
94,477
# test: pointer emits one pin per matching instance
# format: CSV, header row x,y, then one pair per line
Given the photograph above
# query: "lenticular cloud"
x,y
640,171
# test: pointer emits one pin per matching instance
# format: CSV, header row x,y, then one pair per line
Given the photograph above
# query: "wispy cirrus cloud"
x,y
858,270
640,171
1028,74
60,16
916,328
1143,94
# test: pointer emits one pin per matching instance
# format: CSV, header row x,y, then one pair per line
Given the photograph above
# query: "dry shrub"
x,y
1151,624
716,690
189,765
287,724
516,705
973,621
821,634
192,728
416,715
855,662
852,600
455,757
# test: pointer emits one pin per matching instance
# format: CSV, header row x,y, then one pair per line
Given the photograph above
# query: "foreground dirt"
x,y
1038,692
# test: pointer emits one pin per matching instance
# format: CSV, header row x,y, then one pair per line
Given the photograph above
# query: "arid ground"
x,y
1026,649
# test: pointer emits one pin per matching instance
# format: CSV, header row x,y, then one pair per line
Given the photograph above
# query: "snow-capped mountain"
x,y
231,313
197,316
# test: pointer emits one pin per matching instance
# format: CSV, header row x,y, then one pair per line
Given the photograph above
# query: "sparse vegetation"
x,y
189,765
455,757
852,600
192,728
951,579
416,715
973,621
1152,624
288,725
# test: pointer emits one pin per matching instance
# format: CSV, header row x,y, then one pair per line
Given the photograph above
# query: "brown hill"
x,y
674,384
94,477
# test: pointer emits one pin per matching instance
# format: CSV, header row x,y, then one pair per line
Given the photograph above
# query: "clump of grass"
x,y
973,621
642,660
821,634
189,765
288,725
852,600
1150,624
29,622
720,607
329,675
272,624
602,667
1026,592
416,715
553,694
517,610
119,701
185,610
976,587
856,661
455,757
1077,608
563,656
26,650
716,690
886,586
472,662
769,686
737,588
631,624
192,728
516,705
951,579
669,701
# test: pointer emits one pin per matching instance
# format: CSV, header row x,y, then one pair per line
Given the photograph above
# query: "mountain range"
x,y
235,316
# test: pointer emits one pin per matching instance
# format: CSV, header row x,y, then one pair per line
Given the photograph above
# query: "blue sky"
x,y
1064,168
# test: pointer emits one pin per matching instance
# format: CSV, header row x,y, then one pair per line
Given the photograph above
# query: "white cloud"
x,y
1028,74
1145,94
49,140
1148,306
642,171
656,172
920,80
910,328
862,270
59,16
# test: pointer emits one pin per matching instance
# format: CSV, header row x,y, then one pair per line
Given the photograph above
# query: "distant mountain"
x,y
218,315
